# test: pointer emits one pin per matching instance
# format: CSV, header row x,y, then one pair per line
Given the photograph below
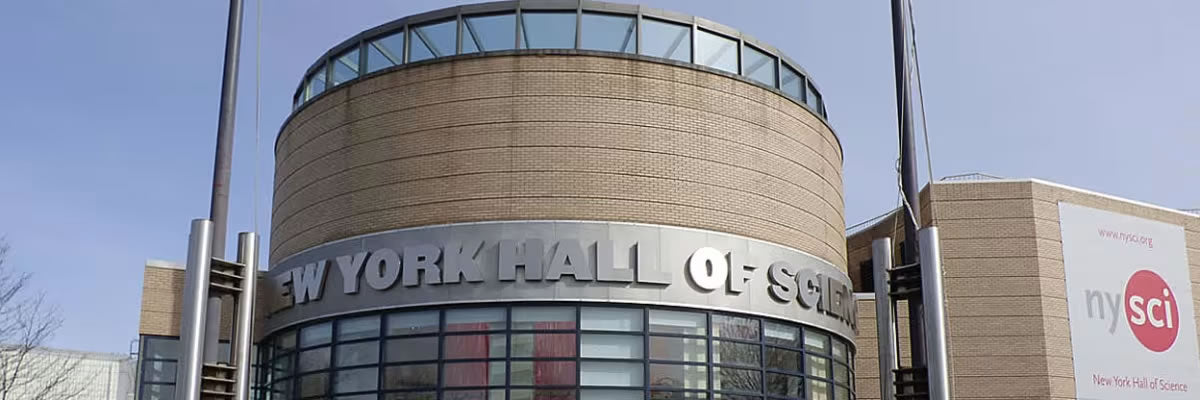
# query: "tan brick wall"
x,y
557,137
162,303
1005,285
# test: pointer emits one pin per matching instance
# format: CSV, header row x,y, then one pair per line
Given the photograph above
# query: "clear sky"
x,y
108,113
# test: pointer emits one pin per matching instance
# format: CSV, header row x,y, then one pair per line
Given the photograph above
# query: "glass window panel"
x,y
841,393
716,51
670,395
611,346
728,396
541,394
285,341
410,396
345,67
786,360
477,394
737,380
610,394
611,319
316,83
316,335
314,384
666,40
608,32
312,360
158,392
841,374
282,390
542,373
489,33
816,342
818,366
478,319
840,351
474,346
356,380
162,348
679,376
363,353
358,328
735,327
758,66
543,345
385,52
814,99
412,323
609,373
792,83
414,376
543,318
283,366
785,385
547,30
818,390
371,396
782,335
687,323
412,349
473,374
737,353
159,371
432,40
678,349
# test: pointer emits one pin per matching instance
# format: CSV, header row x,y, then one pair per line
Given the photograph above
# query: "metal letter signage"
x,y
570,261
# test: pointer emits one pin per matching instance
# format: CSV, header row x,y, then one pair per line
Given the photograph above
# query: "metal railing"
x,y
972,176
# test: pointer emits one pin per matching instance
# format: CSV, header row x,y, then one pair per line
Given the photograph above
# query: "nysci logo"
x,y
1150,309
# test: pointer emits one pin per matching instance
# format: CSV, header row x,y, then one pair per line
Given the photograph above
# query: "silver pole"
x,y
222,165
195,296
885,321
242,337
935,315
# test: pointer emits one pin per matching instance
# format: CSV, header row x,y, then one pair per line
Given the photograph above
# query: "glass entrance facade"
x,y
554,351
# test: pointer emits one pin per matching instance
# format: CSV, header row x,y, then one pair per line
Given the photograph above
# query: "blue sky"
x,y
109,109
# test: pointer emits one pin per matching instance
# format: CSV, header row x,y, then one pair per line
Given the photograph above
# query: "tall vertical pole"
x,y
195,292
908,174
247,256
219,207
931,289
885,320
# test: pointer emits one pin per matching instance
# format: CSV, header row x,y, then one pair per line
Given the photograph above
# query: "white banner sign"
x,y
1129,296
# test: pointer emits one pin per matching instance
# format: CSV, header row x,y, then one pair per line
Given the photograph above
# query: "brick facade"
x,y
578,137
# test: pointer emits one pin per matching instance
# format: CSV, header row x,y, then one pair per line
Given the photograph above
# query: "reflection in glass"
x,y
728,326
543,345
410,376
474,346
680,322
818,366
476,394
816,342
312,360
758,66
412,349
286,341
736,353
839,351
358,328
542,373
611,346
314,384
410,396
735,379
610,394
678,349
611,319
841,393
541,394
610,373
818,390
316,83
669,395
475,319
282,366
489,33
792,83
412,323
666,40
345,67
608,32
543,318
841,374
786,360
785,385
385,52
716,51
814,99
547,30
362,353
473,374
158,371
169,347
432,40
679,376
356,380
316,334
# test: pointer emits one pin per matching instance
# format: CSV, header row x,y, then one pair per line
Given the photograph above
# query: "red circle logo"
x,y
1151,310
